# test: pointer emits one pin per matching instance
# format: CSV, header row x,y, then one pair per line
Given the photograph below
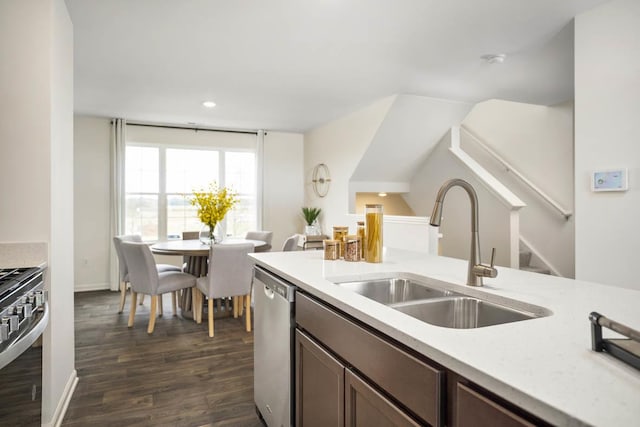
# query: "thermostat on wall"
x,y
609,180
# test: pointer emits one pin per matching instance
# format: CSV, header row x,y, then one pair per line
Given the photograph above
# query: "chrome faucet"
x,y
476,270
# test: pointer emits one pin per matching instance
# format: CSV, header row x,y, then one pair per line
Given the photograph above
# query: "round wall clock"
x,y
321,179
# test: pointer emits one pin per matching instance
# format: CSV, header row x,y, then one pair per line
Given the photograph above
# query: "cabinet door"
x,y
319,385
476,410
366,407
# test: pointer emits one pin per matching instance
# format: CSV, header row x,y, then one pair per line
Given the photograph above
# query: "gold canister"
x,y
361,234
331,249
339,233
352,248
373,231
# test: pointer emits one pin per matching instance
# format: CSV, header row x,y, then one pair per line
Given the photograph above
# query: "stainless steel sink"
x,y
394,290
440,306
462,312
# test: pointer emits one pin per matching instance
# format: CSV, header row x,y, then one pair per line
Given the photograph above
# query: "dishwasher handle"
x,y
274,284
268,292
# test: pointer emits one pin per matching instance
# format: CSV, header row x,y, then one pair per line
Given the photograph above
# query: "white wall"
x,y
411,128
607,130
36,172
283,191
537,141
59,359
25,138
494,216
340,145
91,210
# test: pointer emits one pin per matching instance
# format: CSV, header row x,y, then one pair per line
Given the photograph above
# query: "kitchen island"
x,y
544,366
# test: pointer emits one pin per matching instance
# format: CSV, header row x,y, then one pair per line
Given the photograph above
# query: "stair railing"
x,y
509,168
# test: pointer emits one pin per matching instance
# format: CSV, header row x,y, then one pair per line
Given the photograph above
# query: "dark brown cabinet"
x,y
409,385
348,374
330,394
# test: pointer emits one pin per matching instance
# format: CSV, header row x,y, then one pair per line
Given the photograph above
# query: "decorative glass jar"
x,y
373,231
360,232
331,249
352,248
339,233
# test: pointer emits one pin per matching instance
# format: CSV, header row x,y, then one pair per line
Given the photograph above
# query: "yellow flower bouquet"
x,y
213,205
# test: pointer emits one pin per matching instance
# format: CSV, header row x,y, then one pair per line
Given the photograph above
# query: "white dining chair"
x,y
265,236
124,271
229,275
145,278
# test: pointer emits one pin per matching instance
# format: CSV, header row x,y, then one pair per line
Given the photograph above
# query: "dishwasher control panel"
x,y
275,284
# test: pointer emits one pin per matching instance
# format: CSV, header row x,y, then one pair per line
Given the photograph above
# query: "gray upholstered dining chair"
x,y
290,244
265,236
124,271
190,235
229,276
145,278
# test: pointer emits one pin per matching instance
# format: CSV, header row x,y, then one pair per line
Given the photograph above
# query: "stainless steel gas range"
x,y
24,314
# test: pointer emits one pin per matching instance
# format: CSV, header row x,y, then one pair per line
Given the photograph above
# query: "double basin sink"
x,y
430,301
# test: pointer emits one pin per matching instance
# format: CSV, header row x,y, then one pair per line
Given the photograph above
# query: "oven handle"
x,y
29,336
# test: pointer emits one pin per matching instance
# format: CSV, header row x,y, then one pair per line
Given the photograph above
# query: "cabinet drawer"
x,y
410,381
476,410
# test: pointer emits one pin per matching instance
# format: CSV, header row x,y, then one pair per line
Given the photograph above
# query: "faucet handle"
x,y
483,270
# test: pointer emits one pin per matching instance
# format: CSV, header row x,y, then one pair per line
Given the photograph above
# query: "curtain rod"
x,y
192,128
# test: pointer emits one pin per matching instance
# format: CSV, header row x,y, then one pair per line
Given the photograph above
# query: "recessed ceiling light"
x,y
494,58
382,194
209,104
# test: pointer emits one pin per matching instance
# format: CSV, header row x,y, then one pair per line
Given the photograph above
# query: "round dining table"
x,y
196,256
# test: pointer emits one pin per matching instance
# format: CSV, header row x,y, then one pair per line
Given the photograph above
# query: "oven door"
x,y
21,375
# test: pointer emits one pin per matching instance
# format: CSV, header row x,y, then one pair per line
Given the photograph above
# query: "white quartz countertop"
x,y
545,365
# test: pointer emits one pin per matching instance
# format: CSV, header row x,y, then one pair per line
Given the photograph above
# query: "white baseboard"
x,y
63,404
86,287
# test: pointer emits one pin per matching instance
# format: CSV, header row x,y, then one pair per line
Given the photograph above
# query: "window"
x,y
159,179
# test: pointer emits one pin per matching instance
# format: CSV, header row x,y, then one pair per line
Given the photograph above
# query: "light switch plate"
x,y
609,180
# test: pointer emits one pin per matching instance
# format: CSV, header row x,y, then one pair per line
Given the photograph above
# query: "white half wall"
x,y
607,133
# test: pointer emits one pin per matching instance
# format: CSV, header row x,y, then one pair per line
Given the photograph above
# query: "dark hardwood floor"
x,y
176,377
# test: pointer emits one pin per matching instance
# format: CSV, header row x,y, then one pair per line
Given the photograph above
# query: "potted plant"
x,y
311,217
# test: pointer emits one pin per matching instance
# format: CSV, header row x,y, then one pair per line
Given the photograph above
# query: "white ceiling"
x,y
295,64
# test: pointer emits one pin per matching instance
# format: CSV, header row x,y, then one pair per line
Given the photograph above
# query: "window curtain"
x,y
118,138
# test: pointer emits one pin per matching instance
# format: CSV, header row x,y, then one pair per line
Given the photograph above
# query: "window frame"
x,y
162,195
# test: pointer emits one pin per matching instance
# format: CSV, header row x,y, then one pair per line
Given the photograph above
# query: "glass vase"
x,y
207,234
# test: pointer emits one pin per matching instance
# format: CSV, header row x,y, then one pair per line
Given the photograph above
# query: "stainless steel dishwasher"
x,y
272,348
